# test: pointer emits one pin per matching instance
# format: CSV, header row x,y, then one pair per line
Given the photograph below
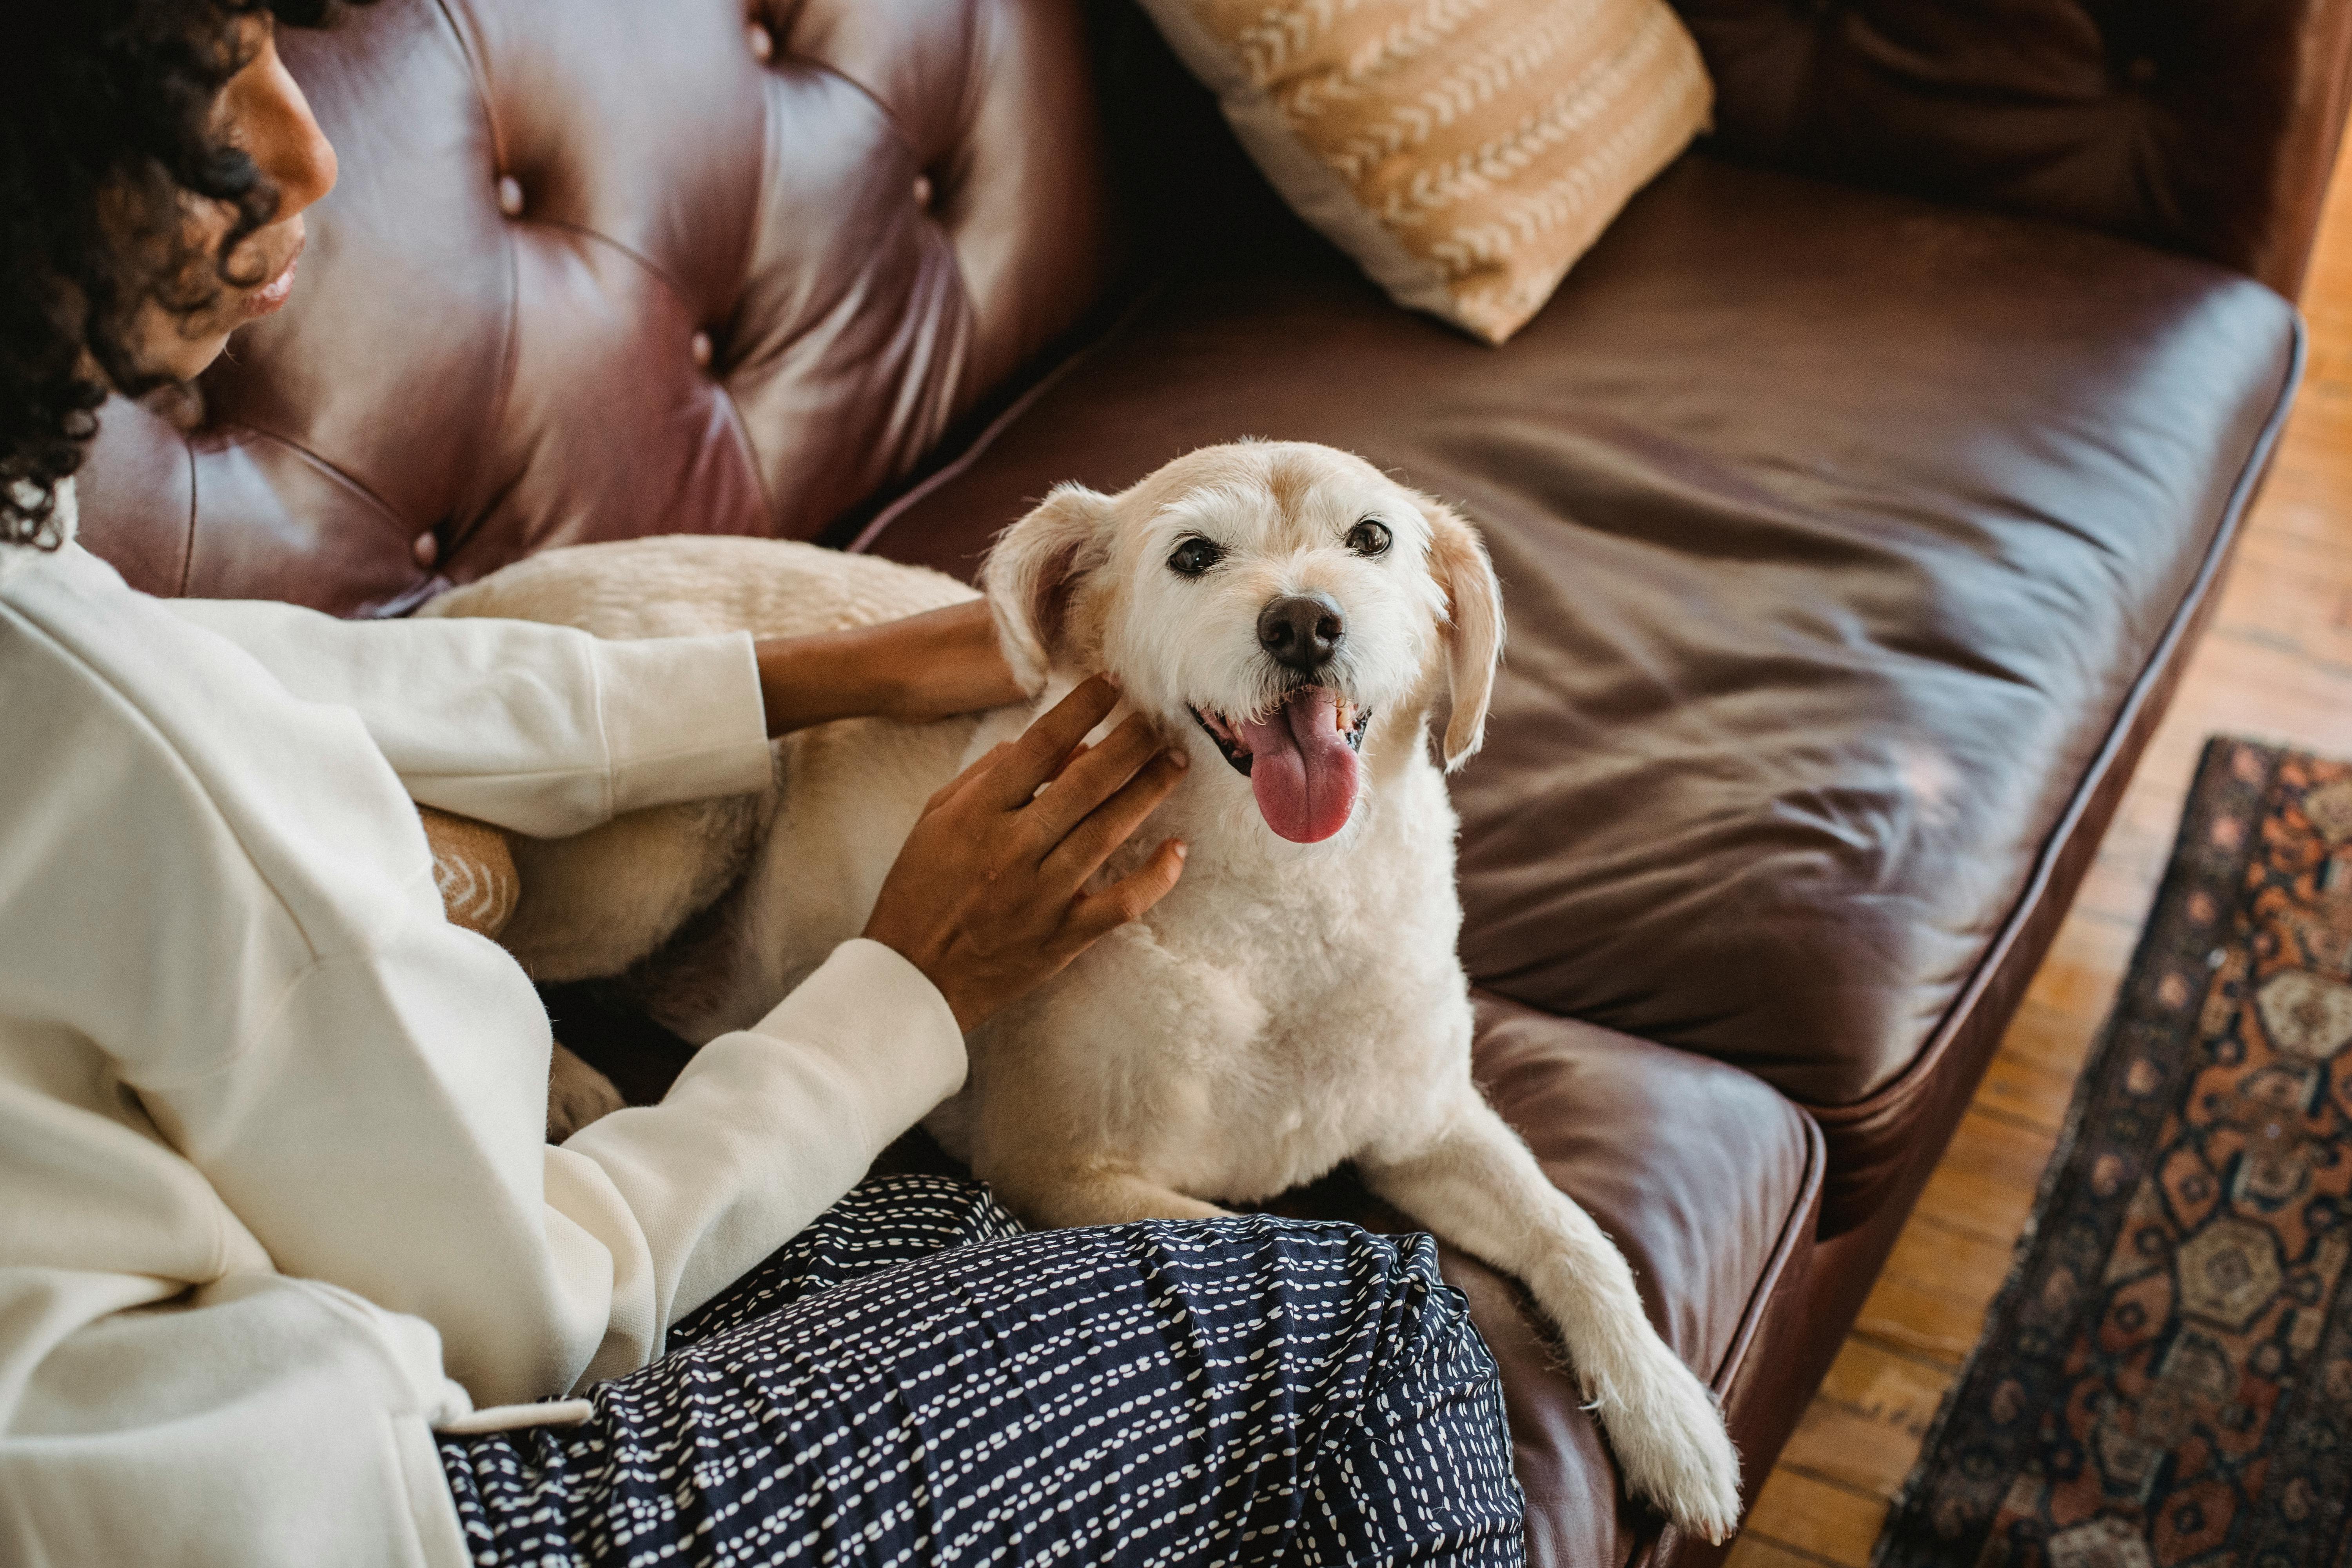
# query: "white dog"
x,y
1292,615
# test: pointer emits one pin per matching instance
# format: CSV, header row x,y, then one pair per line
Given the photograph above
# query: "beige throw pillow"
x,y
1465,152
474,867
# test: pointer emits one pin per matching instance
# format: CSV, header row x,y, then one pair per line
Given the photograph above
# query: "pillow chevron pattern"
x,y
1465,152
474,869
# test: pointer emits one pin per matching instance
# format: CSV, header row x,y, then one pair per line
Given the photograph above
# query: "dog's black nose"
x,y
1301,630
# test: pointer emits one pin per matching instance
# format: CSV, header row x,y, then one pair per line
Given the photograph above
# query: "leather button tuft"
x,y
426,549
700,349
510,196
923,191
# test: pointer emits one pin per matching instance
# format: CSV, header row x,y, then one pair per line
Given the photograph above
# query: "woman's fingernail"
x,y
1107,679
1183,849
1182,758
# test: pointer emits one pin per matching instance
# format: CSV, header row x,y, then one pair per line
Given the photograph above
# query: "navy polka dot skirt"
x,y
914,1380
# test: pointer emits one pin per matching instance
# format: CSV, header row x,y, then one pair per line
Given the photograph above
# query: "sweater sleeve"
x,y
546,1268
542,728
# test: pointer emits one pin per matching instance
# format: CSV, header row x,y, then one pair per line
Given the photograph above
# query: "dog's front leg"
x,y
577,1094
1478,1185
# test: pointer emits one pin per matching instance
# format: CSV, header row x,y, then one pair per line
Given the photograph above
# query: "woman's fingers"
x,y
1092,838
981,764
987,896
1089,780
1095,914
1045,747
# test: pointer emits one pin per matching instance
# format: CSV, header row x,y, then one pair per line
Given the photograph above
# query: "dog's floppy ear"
x,y
1474,609
1030,571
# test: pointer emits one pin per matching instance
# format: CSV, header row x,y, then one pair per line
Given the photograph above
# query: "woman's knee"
x,y
1393,1404
1338,1306
948,1211
883,1223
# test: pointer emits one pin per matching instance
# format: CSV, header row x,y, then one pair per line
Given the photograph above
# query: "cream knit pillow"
x,y
474,867
1465,152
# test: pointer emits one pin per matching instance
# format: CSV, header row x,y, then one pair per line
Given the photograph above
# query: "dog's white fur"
x,y
1288,1006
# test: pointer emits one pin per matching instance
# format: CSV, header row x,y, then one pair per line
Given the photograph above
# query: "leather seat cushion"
x,y
1834,528
1705,1177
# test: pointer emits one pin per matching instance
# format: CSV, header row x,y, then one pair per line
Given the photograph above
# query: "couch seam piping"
x,y
1793,1230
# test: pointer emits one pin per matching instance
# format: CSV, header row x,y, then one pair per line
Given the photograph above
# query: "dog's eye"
x,y
1370,537
1194,556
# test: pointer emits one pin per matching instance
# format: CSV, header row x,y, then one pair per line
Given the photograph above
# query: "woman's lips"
x,y
275,292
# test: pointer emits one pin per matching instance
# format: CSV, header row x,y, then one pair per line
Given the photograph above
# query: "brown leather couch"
x,y
1855,497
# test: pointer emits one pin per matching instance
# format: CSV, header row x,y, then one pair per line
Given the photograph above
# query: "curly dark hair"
x,y
106,126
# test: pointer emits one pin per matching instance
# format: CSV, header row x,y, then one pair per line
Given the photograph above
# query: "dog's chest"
x,y
1301,1023
1315,1085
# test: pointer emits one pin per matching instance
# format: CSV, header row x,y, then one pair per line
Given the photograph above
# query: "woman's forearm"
x,y
924,667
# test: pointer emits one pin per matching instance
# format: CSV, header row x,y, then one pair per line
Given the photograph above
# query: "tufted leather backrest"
x,y
602,267
2202,126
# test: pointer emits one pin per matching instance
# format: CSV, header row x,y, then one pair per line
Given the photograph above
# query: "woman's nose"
x,y
285,140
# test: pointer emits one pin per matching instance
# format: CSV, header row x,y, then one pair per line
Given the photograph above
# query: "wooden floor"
x,y
2276,665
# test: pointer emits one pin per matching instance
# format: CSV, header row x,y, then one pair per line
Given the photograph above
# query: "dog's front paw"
x,y
577,1094
1670,1442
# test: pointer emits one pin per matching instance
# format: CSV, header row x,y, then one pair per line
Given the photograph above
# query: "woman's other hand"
x,y
988,896
924,667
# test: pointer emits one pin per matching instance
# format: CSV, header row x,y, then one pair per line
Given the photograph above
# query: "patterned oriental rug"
x,y
2167,1377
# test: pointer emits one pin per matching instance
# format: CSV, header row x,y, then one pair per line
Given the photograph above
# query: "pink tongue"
x,y
1301,767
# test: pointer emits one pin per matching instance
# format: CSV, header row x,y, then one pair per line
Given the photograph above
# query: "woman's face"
x,y
262,112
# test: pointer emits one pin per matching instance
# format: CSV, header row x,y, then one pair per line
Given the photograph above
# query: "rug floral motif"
x,y
2166,1378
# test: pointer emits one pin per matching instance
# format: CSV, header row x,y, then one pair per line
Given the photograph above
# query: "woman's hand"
x,y
987,896
924,667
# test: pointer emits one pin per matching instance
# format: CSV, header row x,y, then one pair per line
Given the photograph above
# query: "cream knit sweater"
x,y
273,1199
